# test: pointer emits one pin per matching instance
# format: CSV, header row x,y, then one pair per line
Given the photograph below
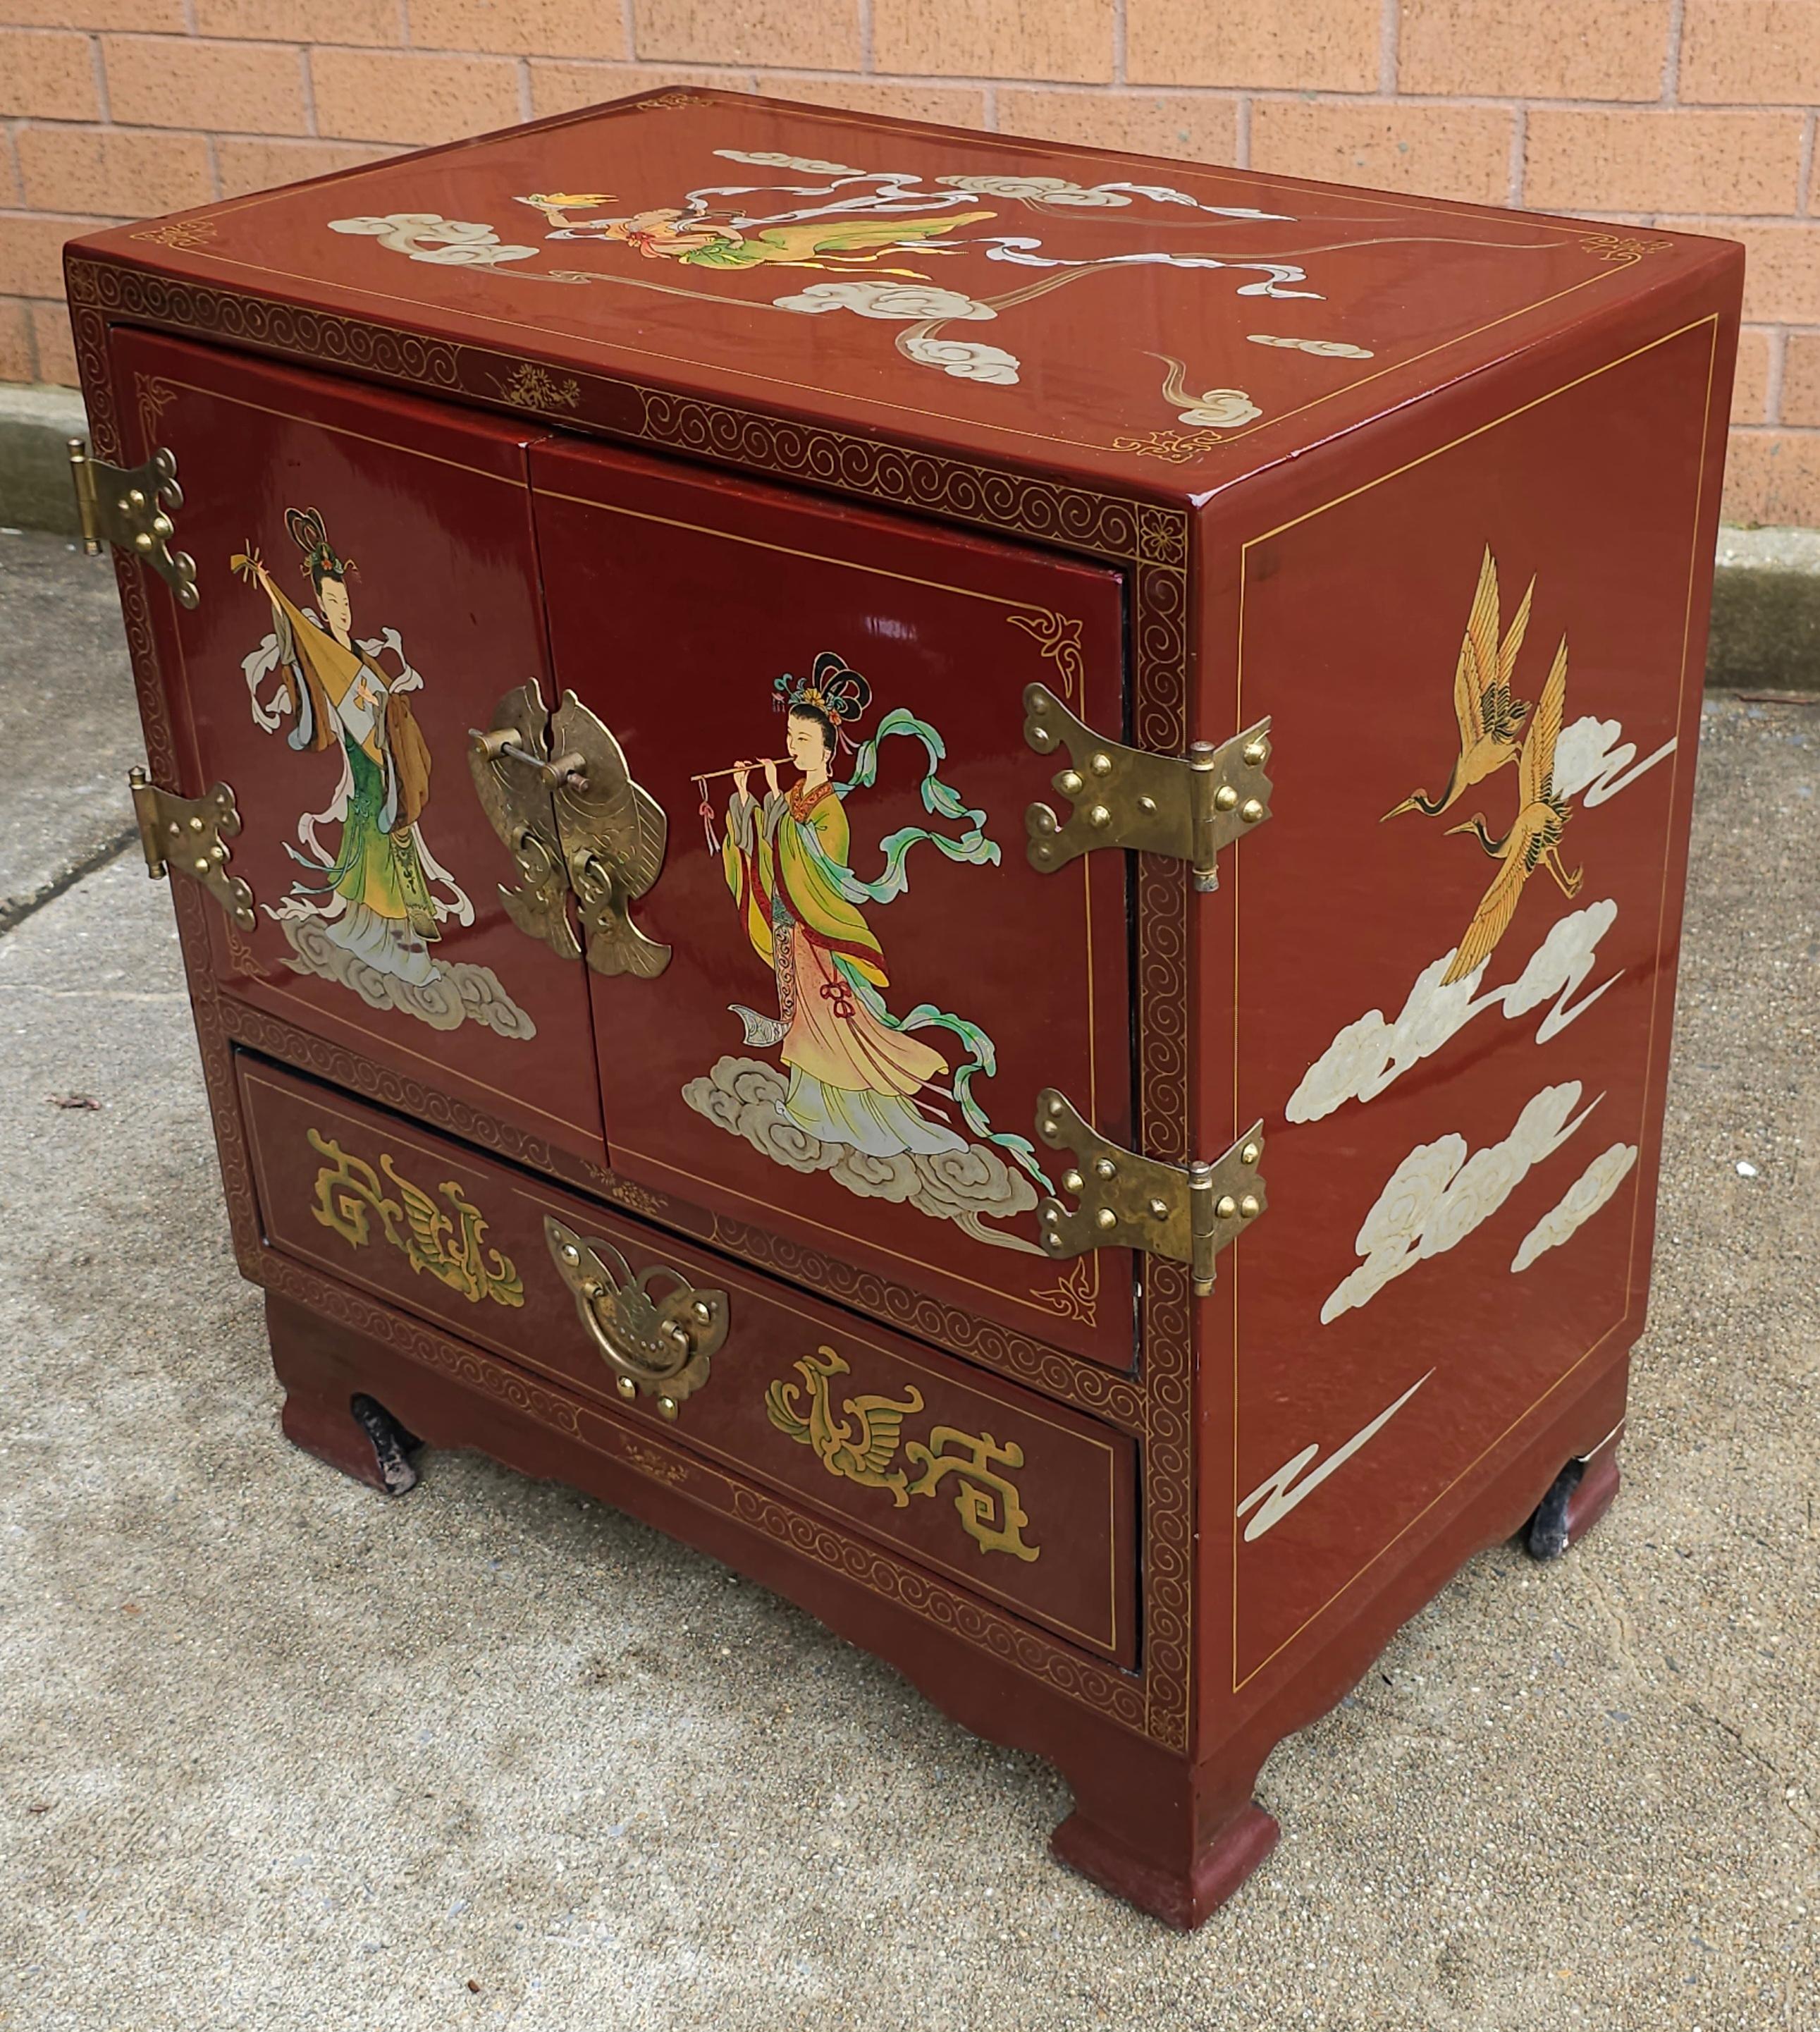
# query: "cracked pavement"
x,y
274,1751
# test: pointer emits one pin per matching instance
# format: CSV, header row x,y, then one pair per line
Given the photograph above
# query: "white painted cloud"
x,y
903,303
1439,1194
1583,1198
1591,755
1371,1054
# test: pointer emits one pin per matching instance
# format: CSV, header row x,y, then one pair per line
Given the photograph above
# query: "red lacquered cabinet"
x,y
962,878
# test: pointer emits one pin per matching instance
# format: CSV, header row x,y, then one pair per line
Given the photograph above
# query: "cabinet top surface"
x,y
1161,325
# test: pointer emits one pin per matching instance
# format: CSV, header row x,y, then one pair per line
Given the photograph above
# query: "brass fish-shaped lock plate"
x,y
512,771
658,1344
188,836
1186,806
1124,1200
613,834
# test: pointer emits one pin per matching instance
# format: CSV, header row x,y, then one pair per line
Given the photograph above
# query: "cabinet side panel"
x,y
1443,974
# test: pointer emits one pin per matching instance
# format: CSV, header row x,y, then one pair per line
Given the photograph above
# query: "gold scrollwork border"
x,y
1150,538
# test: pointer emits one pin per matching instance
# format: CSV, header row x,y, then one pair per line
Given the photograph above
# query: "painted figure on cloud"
x,y
855,1076
858,1077
700,237
372,894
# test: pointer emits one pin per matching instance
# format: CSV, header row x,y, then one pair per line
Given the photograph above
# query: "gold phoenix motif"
x,y
860,1445
453,1251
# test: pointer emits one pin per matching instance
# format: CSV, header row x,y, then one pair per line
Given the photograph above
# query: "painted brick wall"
x,y
1690,113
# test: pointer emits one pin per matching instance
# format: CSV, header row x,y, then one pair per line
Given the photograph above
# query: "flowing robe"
x,y
853,1074
384,911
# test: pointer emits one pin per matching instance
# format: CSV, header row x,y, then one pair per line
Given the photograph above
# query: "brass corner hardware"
x,y
184,835
660,1347
613,834
1186,806
1188,1213
509,765
131,508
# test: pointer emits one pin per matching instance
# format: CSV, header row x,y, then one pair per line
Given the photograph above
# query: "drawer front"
x,y
1020,1501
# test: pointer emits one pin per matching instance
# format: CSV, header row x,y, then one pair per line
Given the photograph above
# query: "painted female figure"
x,y
856,1076
372,896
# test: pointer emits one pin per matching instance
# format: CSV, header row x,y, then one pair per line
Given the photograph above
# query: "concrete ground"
x,y
275,1752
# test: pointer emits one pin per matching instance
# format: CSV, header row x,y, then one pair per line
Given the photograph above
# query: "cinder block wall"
x,y
1697,113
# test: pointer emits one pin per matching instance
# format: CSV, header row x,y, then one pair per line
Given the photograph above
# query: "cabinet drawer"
x,y
1020,1501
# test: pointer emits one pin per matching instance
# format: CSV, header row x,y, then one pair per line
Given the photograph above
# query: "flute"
x,y
763,762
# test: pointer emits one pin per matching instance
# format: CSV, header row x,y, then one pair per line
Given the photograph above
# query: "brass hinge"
x,y
184,836
1187,1212
127,507
1186,806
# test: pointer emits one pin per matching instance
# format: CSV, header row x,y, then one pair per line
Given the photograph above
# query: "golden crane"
x,y
1534,839
1489,716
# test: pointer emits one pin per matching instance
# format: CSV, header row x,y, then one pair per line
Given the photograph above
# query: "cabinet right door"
x,y
867,984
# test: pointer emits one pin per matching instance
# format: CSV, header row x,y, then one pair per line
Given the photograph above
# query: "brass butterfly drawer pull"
x,y
657,1345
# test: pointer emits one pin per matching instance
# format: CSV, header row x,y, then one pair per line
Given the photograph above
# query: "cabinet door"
x,y
368,582
867,983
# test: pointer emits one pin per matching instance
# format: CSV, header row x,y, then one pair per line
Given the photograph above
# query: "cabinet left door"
x,y
368,595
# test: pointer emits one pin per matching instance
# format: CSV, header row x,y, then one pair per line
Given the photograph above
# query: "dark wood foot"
x,y
1180,1896
1582,1494
355,1434
326,1412
1174,1839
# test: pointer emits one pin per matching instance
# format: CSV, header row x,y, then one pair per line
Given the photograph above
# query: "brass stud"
x,y
667,1407
1105,1218
570,1252
1250,1154
196,824
1071,1182
1099,817
1101,765
1249,1206
1070,782
626,1387
1250,811
1255,753
1226,1206
1104,1167
1147,806
1159,1209
1225,797
1052,1240
202,864
702,1310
